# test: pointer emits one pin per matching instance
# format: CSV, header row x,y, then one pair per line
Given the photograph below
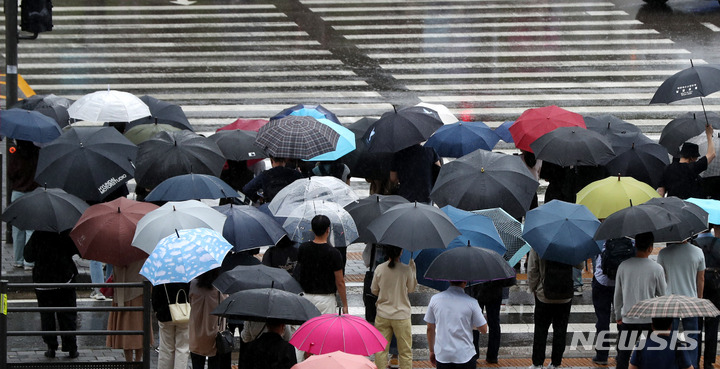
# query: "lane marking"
x,y
406,36
564,74
516,44
191,85
711,26
542,64
486,25
527,53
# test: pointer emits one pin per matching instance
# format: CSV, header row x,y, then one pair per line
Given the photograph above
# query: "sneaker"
x,y
597,361
27,267
578,291
535,367
18,265
394,362
73,354
552,366
97,295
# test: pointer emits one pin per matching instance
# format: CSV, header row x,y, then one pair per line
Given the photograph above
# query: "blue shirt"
x,y
652,357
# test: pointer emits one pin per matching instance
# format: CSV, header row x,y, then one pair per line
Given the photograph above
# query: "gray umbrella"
x,y
368,209
263,304
684,127
52,210
483,180
248,277
238,145
693,219
633,220
413,227
469,263
568,146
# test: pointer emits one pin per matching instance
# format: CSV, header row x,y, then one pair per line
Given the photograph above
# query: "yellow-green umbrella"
x,y
611,194
143,132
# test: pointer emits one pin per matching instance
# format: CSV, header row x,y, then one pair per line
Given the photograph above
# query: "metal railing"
x,y
4,333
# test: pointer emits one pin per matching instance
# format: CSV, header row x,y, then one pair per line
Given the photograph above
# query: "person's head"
x,y
392,253
320,225
689,151
460,284
529,158
644,242
662,324
275,326
715,229
206,279
276,162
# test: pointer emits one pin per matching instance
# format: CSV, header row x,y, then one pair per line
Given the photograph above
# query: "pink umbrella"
x,y
347,333
336,360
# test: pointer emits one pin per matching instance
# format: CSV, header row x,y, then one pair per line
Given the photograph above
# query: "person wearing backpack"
x,y
710,247
615,251
552,284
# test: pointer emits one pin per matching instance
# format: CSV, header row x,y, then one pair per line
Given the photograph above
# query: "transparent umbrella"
x,y
342,226
320,188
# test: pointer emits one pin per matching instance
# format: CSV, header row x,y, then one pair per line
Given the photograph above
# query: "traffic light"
x,y
36,16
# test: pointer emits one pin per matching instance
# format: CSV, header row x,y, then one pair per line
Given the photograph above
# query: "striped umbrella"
x,y
673,306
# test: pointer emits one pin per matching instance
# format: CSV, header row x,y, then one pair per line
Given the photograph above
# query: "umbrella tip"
x,y
482,169
631,203
174,208
468,243
619,175
177,233
118,210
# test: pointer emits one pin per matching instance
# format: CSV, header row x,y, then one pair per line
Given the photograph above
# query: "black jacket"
x,y
52,254
269,351
165,294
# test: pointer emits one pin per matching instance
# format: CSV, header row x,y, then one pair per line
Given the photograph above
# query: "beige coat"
x,y
203,325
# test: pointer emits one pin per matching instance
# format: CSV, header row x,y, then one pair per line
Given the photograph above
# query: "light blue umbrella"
x,y
345,144
712,207
184,255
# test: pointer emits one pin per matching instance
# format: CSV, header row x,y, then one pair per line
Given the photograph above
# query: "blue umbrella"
x,y
246,227
503,131
184,255
562,232
345,144
191,187
315,111
712,207
457,139
28,125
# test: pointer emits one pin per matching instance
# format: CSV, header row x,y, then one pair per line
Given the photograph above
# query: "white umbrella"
x,y
318,188
343,230
445,114
109,106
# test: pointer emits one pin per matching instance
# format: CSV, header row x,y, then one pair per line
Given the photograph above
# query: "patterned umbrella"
x,y
673,306
297,137
509,228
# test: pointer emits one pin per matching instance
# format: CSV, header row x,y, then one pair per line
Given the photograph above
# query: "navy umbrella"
x,y
28,125
457,139
503,131
263,304
397,130
469,263
247,277
163,112
45,209
191,187
246,227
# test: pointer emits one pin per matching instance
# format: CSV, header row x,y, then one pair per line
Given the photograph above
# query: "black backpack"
x,y
616,251
558,282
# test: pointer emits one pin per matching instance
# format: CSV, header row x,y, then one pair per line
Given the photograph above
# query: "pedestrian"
x,y
283,255
489,296
335,169
132,346
271,181
638,278
236,174
270,350
22,162
710,246
174,346
52,254
682,177
392,283
98,274
451,317
204,298
413,172
659,350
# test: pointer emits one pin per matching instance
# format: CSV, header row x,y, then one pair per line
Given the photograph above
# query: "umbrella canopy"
x,y
109,106
317,188
191,187
143,132
247,277
644,162
346,142
713,169
503,131
238,144
696,81
482,180
368,209
336,360
104,232
163,222
573,146
614,193
362,163
673,306
45,209
52,106
509,228
263,304
469,263
461,138
28,125
712,207
163,112
475,229
306,110
101,156
170,154
534,123
244,125
610,126
446,116
297,137
397,130
343,230
246,227
184,255
633,220
685,127
330,332
562,232
413,227
693,219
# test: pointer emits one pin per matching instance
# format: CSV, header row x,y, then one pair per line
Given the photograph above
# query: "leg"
x,y
67,321
602,297
628,335
385,327
213,362
561,316
166,346
18,236
711,337
47,320
403,333
182,345
543,318
198,361
493,318
691,325
128,355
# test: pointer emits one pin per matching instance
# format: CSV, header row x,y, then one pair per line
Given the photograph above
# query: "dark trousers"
x,y
469,365
691,325
602,298
66,321
628,335
492,311
545,315
711,338
214,362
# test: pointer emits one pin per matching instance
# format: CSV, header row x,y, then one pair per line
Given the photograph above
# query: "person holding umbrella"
x,y
271,181
22,162
204,298
127,320
711,249
414,170
682,178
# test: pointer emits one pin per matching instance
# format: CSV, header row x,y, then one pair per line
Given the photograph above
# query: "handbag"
x,y
224,339
179,311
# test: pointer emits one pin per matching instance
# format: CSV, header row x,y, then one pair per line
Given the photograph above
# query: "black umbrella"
x,y
682,128
88,162
162,112
633,220
696,81
693,219
362,163
572,146
370,208
45,209
413,227
170,154
644,162
472,264
246,227
248,277
238,145
297,137
52,106
484,180
263,304
609,125
191,187
397,130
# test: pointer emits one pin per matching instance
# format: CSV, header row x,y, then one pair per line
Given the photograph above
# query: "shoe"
x,y
27,267
578,291
597,361
97,295
50,353
491,361
73,354
535,367
18,265
394,362
552,366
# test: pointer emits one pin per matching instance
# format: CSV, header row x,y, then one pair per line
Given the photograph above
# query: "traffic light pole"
x,y
11,52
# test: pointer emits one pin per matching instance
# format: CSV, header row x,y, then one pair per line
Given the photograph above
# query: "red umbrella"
x,y
330,332
534,123
244,125
105,231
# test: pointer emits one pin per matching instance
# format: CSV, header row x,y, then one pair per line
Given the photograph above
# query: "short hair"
x,y
320,224
662,324
457,283
644,241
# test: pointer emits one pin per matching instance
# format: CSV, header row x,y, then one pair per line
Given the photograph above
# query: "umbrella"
x,y
644,162
534,123
247,277
184,255
446,116
45,209
713,169
238,144
52,106
320,188
509,228
105,231
610,126
330,332
613,193
685,127
336,360
343,230
673,306
346,142
143,132
89,162
305,110
475,229
170,154
362,163
28,125
297,137
163,222
572,146
712,207
109,106
693,219
163,112
457,139
246,227
263,304
482,180
397,130
414,226
366,210
191,186
503,131
244,125
633,220
692,82
469,263
562,232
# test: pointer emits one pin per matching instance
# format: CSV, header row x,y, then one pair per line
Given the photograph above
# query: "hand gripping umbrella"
x,y
685,127
413,227
263,304
338,332
246,227
109,106
45,209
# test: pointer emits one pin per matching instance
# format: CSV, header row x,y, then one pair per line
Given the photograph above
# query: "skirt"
x,y
127,321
